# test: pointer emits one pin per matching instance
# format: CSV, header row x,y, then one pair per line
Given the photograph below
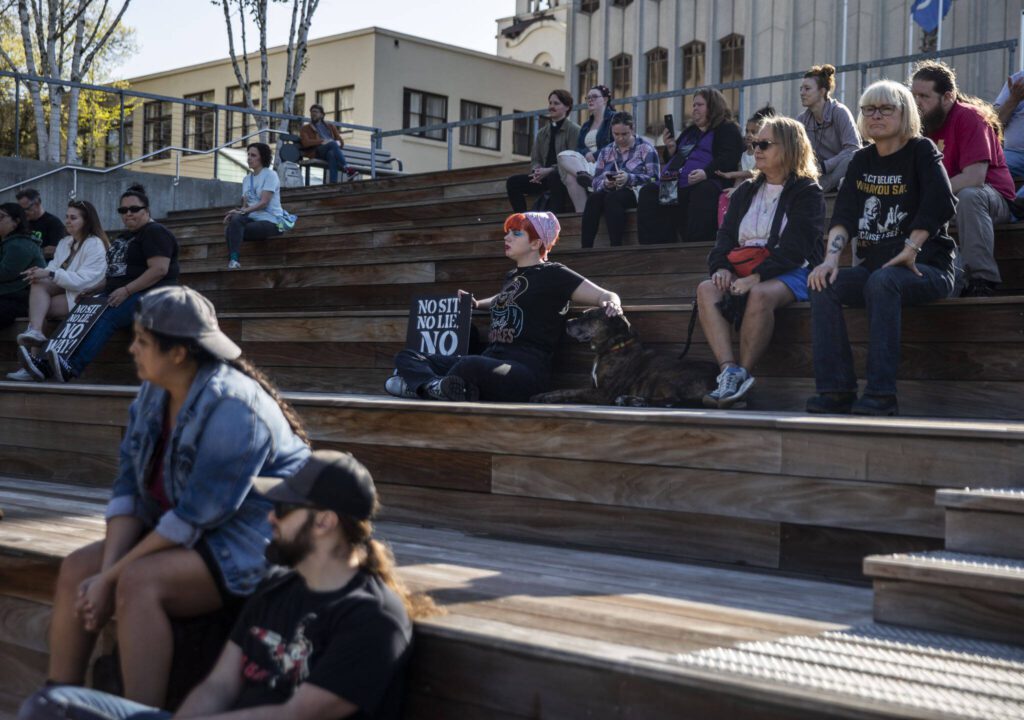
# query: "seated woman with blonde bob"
x,y
78,265
769,240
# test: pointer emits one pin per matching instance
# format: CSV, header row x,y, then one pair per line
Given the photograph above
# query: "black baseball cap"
x,y
329,480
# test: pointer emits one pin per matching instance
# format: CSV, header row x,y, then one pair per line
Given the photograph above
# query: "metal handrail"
x,y
75,169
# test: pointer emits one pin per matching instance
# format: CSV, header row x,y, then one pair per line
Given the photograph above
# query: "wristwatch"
x,y
52,274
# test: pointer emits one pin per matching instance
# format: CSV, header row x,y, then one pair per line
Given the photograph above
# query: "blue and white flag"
x,y
926,12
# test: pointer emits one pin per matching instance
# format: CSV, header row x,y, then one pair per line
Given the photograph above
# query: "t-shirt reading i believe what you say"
x,y
530,310
883,199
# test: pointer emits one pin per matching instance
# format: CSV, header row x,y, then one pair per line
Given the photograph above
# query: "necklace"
x,y
764,213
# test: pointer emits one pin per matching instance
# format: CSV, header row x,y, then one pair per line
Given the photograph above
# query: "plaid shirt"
x,y
640,163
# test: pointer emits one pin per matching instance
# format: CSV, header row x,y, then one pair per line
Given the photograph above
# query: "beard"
x,y
931,121
290,553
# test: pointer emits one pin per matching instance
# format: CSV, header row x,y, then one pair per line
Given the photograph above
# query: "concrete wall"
x,y
104,191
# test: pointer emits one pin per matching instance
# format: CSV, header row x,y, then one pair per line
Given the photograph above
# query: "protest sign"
x,y
76,326
439,325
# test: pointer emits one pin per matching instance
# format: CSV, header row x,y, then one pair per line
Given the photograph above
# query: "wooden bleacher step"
x,y
986,521
875,671
974,595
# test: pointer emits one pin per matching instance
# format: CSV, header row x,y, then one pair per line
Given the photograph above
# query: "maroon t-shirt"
x,y
156,472
964,139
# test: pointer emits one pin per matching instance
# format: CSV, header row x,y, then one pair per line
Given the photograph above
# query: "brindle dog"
x,y
625,373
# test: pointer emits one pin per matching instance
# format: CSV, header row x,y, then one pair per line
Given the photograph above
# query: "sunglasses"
x,y
130,209
283,509
884,110
761,145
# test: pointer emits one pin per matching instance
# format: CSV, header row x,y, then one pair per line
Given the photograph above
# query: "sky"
x,y
175,33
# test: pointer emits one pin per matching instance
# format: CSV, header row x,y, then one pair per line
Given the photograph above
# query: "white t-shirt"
x,y
253,187
756,225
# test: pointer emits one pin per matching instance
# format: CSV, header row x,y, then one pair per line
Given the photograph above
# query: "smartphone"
x,y
670,125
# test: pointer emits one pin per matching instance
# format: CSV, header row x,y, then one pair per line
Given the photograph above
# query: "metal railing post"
x,y
863,81
216,140
448,131
120,133
740,113
74,184
373,155
17,118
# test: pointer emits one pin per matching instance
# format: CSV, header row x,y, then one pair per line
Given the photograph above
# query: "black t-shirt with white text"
x,y
354,642
883,199
531,308
48,229
128,255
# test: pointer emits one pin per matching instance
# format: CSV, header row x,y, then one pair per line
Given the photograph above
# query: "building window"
x,y
113,149
621,3
240,124
522,134
693,73
657,81
589,6
482,136
622,76
339,104
420,108
586,73
156,128
199,122
298,108
731,48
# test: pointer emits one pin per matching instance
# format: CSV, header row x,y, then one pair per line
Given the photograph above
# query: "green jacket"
x,y
565,140
18,252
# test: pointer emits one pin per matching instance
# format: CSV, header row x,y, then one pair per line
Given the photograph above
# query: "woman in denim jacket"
x,y
185,530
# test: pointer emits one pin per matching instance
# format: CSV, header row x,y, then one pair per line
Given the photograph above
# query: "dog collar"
x,y
618,346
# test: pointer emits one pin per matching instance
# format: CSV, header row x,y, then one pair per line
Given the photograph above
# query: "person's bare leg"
x,y
716,328
569,163
759,320
40,297
70,644
154,588
58,307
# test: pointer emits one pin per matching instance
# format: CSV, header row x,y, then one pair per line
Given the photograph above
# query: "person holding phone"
x,y
629,163
576,167
710,143
558,135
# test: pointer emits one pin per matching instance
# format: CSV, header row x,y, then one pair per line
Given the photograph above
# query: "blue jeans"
x,y
883,293
1015,161
334,157
112,320
68,702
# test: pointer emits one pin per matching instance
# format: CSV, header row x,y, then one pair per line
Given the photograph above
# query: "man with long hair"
x,y
329,637
968,133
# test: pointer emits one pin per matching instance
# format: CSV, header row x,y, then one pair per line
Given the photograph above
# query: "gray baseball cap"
x,y
182,312
329,480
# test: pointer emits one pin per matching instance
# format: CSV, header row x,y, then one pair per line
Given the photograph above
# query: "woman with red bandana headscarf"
x,y
527,322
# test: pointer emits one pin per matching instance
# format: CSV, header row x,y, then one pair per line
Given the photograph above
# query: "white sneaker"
x,y
32,338
234,265
20,375
397,387
733,384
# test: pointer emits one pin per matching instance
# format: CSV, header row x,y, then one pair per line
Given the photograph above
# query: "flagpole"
x,y
938,35
842,60
910,35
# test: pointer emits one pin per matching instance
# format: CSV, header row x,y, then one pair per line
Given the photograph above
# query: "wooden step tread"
x,y
908,673
1004,500
944,567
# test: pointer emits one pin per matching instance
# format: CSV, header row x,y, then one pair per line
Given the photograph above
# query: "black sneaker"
x,y
979,288
877,406
62,371
451,388
831,403
37,367
584,179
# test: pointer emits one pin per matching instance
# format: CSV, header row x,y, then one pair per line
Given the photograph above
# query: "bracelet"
x,y
910,244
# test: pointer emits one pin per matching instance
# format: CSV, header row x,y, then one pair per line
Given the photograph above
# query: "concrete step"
x,y
985,521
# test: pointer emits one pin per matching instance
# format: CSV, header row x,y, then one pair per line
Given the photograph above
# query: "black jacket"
x,y
802,242
604,133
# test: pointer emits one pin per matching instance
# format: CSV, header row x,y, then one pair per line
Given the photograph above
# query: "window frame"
x,y
423,115
201,119
162,124
340,113
622,67
473,135
694,53
298,108
656,110
733,45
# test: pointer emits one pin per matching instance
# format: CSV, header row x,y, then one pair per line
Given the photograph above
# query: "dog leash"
x,y
689,331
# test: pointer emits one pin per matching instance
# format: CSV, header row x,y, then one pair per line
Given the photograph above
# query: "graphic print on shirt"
x,y
291,659
117,257
882,216
506,315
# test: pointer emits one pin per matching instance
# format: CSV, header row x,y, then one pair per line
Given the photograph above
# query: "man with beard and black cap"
x,y
328,637
968,133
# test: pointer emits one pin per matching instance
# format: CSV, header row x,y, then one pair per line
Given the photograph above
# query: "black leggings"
x,y
501,374
693,219
242,227
519,186
612,204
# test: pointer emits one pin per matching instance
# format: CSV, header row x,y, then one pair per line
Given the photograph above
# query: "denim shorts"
x,y
796,280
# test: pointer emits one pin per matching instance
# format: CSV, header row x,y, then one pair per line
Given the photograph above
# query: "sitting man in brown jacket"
x,y
321,140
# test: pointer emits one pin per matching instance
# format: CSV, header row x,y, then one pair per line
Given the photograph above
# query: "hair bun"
x,y
828,70
136,188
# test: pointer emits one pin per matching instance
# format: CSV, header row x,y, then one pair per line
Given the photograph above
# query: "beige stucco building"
x,y
371,77
536,33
